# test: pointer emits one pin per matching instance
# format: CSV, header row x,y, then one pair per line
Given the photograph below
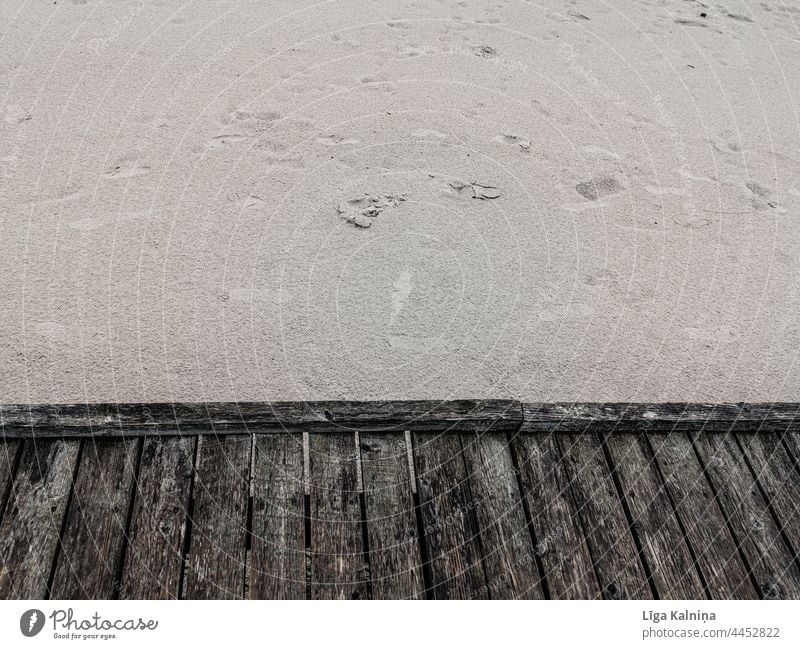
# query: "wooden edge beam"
x,y
140,419
660,417
467,415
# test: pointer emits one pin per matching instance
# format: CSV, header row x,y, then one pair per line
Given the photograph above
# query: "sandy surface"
x,y
582,200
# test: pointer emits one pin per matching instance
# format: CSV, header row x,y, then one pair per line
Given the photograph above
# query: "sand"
x,y
361,200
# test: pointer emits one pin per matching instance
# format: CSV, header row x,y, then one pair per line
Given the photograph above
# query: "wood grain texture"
x,y
662,539
448,518
277,563
154,558
715,549
8,458
215,565
339,564
394,550
560,541
777,475
102,420
608,535
94,533
508,551
30,529
659,417
770,561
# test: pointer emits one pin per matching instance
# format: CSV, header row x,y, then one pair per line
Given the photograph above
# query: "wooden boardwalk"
x,y
461,500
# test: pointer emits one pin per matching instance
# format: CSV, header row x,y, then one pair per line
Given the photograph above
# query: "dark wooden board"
x,y
770,561
100,420
660,534
154,558
560,541
394,550
30,529
659,417
8,458
94,532
791,439
277,561
339,563
215,565
448,518
509,555
608,534
776,472
715,549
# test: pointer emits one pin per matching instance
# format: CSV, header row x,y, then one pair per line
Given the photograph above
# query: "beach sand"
x,y
361,200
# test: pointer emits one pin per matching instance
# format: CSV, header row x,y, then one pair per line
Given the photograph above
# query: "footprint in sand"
x,y
598,187
17,114
514,140
335,140
362,211
125,169
484,51
476,190
226,140
762,198
251,201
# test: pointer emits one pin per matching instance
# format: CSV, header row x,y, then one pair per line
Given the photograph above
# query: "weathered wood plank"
x,y
215,565
770,561
560,542
277,563
448,518
339,564
776,472
132,419
608,535
509,556
154,558
8,457
94,533
31,526
394,551
662,540
715,549
659,417
792,440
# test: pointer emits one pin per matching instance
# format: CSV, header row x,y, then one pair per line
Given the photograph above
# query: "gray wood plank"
x,y
508,552
277,563
339,565
777,474
612,546
715,549
770,561
8,455
154,557
215,565
659,417
666,549
448,518
560,542
94,533
131,419
394,551
30,529
791,439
